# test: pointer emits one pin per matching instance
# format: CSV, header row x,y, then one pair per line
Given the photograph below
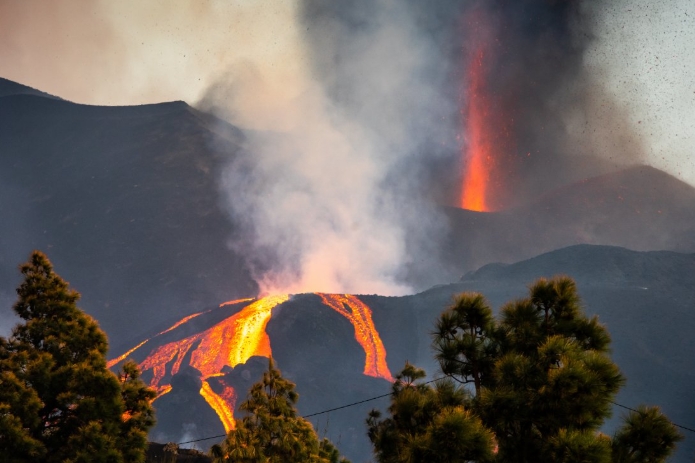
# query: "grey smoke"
x,y
351,108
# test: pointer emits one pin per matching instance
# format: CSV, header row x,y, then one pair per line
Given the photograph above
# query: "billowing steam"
x,y
321,193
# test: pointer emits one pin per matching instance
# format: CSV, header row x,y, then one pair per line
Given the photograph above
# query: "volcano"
x,y
125,201
644,298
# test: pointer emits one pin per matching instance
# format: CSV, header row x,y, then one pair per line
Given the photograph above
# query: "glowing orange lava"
x,y
488,131
241,336
113,362
223,404
185,319
479,150
236,339
229,343
478,154
360,315
163,390
236,301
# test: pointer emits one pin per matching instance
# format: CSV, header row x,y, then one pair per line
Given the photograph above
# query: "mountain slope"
x,y
125,202
639,207
644,298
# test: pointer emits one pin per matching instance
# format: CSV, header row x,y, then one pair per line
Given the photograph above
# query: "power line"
x,y
319,413
391,393
637,411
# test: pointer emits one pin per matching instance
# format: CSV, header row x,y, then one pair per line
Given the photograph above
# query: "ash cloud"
x,y
328,195
350,149
351,109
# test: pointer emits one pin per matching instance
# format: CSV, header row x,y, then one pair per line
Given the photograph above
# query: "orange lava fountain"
x,y
360,315
488,133
479,152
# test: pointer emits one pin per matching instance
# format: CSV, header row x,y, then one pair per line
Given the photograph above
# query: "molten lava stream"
x,y
236,339
228,343
118,359
223,404
360,315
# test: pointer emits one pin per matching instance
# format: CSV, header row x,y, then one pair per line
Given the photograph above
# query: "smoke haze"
x,y
351,109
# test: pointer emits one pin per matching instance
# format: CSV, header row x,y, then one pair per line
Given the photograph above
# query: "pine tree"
x,y
543,380
56,388
272,431
428,424
647,436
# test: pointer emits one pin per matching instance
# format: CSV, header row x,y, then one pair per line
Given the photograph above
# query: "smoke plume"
x,y
352,110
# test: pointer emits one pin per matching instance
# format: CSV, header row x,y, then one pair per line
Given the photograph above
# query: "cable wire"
x,y
391,393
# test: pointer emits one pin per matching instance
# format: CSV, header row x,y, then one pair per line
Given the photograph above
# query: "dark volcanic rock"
x,y
646,300
640,208
124,200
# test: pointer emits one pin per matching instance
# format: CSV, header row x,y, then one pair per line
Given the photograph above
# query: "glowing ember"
x,y
360,315
223,404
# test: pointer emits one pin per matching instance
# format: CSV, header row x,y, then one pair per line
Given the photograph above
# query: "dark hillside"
x,y
124,200
645,299
640,208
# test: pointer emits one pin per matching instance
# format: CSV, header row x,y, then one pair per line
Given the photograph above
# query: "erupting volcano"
x,y
234,340
487,130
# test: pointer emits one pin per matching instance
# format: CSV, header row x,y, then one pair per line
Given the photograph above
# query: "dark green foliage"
x,y
428,424
543,384
138,414
465,348
60,402
545,380
272,431
646,437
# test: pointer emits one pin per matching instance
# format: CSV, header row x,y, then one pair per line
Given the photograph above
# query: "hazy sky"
x,y
130,52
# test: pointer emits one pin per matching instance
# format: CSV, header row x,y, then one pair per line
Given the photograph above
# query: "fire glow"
x,y
236,339
365,332
479,150
488,132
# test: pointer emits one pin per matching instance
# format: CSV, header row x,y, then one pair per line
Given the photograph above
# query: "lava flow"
x,y
223,403
229,343
236,339
360,315
120,358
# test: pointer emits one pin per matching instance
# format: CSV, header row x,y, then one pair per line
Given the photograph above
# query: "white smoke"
x,y
313,188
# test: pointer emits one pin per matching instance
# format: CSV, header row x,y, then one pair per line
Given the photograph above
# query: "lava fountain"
x,y
488,132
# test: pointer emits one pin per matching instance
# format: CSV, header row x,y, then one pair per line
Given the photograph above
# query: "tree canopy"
x,y
272,431
541,385
58,401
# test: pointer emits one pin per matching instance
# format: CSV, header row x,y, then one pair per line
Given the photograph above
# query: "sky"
x,y
343,102
134,52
